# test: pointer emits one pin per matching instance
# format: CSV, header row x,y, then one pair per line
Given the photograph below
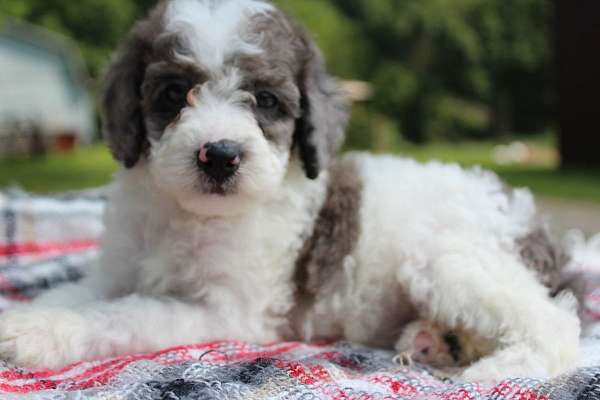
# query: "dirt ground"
x,y
567,214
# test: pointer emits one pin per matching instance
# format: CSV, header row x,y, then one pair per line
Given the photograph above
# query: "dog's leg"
x,y
89,289
67,295
51,337
108,278
492,295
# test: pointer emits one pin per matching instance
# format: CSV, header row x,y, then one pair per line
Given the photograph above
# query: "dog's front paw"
x,y
37,337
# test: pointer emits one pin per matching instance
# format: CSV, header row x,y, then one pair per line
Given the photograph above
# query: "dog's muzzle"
x,y
220,160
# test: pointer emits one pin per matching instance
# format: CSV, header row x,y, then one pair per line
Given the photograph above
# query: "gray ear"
x,y
320,130
121,101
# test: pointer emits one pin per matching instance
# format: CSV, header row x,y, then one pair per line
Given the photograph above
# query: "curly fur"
x,y
219,260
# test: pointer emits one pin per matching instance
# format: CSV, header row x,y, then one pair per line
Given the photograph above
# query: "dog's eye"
x,y
266,100
174,95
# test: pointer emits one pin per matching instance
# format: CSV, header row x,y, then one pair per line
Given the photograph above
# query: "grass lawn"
x,y
544,179
93,166
86,167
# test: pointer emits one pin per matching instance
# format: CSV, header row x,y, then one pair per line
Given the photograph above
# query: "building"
x,y
44,102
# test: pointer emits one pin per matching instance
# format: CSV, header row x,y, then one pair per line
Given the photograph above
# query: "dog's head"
x,y
216,97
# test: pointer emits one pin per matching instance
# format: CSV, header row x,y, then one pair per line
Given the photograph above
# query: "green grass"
x,y
545,179
575,185
84,168
92,166
467,154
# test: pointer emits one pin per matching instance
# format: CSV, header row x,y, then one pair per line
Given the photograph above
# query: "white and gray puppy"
x,y
230,219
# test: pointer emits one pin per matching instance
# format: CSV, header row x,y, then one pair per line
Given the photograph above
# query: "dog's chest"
x,y
205,260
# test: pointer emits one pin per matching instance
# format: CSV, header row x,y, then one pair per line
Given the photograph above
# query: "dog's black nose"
x,y
220,160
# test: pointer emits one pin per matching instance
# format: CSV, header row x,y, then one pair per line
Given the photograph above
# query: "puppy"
x,y
230,218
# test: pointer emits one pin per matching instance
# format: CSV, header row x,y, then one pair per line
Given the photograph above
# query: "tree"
x,y
578,78
456,61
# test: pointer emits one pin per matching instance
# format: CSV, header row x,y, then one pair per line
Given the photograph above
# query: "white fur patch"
x,y
213,29
585,254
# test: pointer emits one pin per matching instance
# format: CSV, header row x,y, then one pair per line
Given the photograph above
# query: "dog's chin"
x,y
227,187
217,204
210,199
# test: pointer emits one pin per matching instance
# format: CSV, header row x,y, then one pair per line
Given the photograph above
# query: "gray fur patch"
x,y
336,231
321,112
540,254
159,76
315,101
320,131
548,260
121,98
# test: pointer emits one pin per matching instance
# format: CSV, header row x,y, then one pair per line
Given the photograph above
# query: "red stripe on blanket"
x,y
307,378
396,386
507,389
101,374
47,247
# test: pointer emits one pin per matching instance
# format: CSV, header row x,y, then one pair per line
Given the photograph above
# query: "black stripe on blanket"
x,y
592,390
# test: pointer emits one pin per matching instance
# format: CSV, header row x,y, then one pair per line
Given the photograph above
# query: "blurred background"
x,y
511,85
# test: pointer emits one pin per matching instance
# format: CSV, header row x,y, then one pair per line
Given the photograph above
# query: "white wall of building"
x,y
36,85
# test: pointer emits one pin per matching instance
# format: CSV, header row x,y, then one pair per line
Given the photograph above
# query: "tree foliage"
x,y
439,68
447,64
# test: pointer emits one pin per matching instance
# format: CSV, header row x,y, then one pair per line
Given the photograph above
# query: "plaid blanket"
x,y
48,240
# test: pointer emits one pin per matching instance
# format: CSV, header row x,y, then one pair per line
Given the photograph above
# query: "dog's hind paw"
x,y
428,343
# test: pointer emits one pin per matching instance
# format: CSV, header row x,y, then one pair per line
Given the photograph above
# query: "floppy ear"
x,y
320,130
121,101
